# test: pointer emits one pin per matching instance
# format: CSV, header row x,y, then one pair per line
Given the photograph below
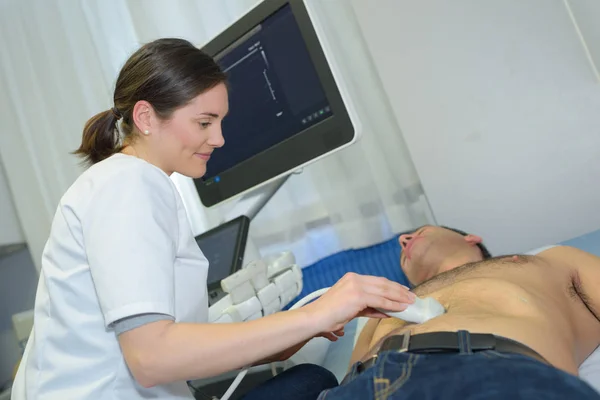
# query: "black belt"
x,y
448,342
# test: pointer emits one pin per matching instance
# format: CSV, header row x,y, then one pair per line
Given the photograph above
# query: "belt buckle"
x,y
405,342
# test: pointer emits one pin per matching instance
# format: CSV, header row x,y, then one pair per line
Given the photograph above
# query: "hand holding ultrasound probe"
x,y
418,312
355,295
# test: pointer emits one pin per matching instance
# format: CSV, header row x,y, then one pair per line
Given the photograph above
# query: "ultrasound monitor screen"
x,y
274,91
220,250
285,107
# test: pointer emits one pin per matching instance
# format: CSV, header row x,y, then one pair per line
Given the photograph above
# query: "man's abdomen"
x,y
535,316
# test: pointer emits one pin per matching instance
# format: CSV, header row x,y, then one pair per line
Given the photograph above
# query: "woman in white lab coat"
x,y
121,307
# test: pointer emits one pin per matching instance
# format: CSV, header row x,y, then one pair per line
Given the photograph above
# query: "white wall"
x,y
500,110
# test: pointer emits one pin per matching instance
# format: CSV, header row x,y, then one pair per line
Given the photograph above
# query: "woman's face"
x,y
186,141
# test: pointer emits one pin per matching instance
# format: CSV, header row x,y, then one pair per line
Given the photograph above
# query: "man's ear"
x,y
473,239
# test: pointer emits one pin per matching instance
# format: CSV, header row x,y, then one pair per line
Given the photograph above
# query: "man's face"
x,y
430,248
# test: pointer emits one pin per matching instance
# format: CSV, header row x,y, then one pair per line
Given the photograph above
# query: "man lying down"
x,y
515,326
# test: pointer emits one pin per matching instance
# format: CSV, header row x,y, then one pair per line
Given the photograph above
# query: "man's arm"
x,y
587,267
363,343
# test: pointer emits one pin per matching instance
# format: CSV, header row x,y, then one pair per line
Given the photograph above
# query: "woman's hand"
x,y
358,295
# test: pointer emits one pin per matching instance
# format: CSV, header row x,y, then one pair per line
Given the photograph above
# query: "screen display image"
x,y
274,91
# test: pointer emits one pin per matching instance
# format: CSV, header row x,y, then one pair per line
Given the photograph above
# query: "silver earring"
x,y
146,132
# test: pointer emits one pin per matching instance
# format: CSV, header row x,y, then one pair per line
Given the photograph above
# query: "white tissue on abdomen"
x,y
420,311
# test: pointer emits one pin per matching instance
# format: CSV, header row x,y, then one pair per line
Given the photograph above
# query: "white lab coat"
x,y
120,245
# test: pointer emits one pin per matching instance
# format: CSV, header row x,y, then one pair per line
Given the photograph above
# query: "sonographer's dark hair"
x,y
484,251
168,74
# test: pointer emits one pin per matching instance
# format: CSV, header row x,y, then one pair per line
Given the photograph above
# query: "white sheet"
x,y
589,371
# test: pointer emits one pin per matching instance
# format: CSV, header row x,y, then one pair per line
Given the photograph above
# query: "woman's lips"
x,y
204,156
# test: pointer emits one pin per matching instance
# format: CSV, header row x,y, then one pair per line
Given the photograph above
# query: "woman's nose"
x,y
217,140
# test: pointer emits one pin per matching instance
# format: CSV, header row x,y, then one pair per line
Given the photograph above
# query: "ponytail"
x,y
100,138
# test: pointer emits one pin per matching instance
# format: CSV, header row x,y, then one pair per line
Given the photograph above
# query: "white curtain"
x,y
59,64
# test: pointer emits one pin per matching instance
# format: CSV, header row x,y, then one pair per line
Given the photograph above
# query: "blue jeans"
x,y
460,375
302,382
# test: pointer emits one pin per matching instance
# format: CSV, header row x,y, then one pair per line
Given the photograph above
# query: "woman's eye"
x,y
204,125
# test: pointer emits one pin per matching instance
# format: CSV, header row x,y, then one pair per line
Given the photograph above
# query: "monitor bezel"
x,y
332,133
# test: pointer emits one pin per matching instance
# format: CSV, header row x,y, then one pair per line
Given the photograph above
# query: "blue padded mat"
x,y
381,259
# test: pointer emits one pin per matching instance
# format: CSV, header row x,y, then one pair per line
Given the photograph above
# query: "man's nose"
x,y
404,239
